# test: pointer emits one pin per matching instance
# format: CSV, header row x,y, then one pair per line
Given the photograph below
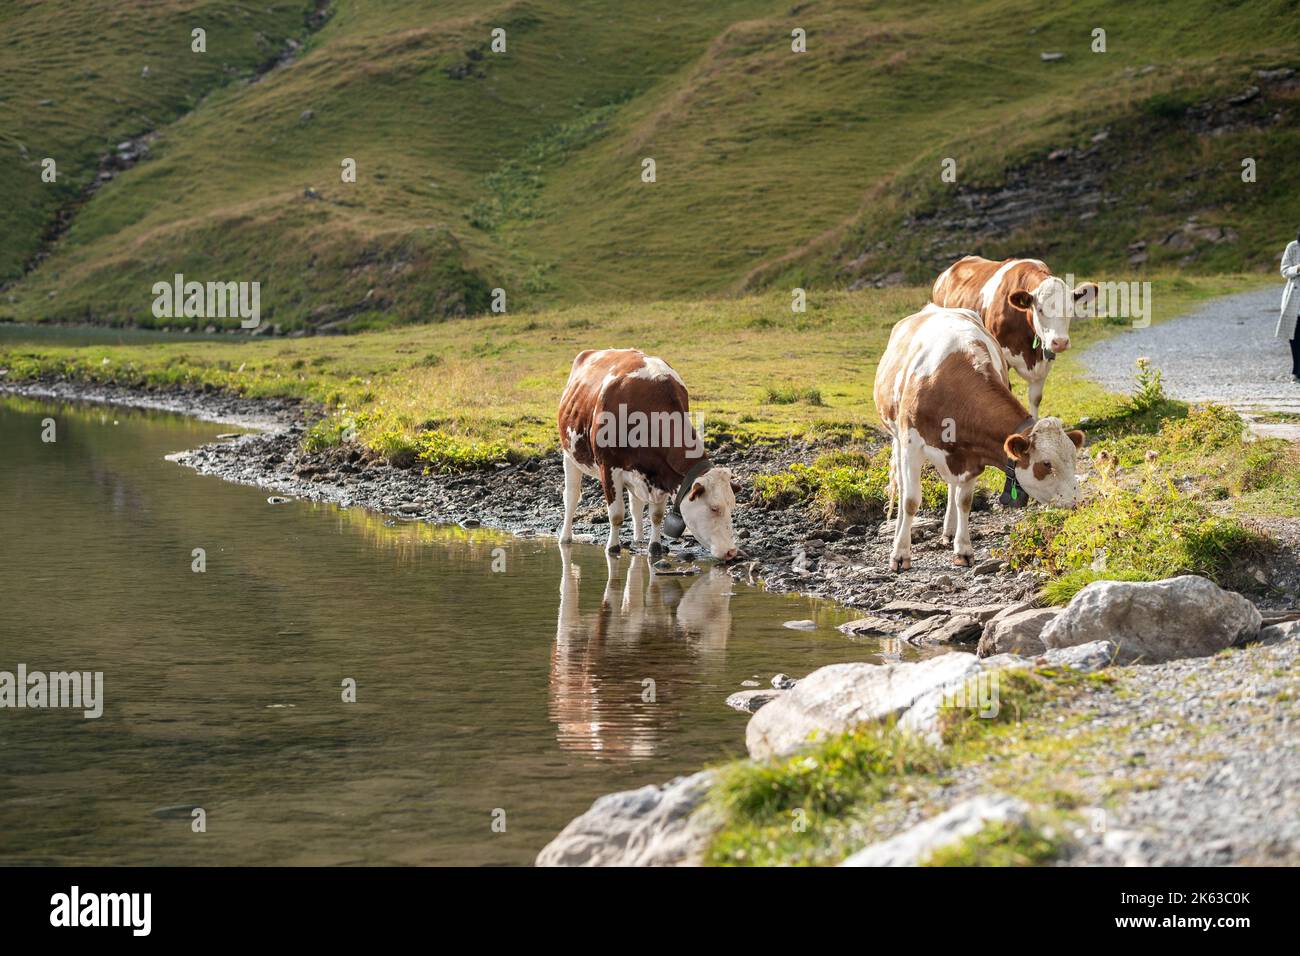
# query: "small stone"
x,y
801,625
954,629
749,701
914,608
783,682
871,625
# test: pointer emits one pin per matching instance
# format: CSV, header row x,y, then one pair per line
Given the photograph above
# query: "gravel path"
x,y
1224,351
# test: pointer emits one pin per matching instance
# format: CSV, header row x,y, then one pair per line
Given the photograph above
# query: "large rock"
x,y
652,826
1017,633
1187,616
1085,658
915,846
1279,633
839,697
954,629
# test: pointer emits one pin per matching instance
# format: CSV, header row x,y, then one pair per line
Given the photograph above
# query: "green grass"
x,y
848,486
1149,513
800,809
1000,844
521,171
789,394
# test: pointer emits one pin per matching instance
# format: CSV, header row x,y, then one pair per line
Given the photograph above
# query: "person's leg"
x,y
1295,356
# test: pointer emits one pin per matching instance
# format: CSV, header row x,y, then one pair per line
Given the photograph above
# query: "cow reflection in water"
x,y
653,628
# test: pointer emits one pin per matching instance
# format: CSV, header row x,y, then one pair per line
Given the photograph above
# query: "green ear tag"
x,y
1015,492
1035,345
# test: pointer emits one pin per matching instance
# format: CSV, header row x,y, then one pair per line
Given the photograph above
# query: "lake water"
x,y
478,690
17,334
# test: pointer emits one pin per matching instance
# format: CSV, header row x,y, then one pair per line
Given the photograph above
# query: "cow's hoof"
x,y
614,548
962,560
897,564
656,549
946,541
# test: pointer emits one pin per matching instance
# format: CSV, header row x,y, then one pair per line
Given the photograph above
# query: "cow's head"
x,y
707,508
1045,459
1051,306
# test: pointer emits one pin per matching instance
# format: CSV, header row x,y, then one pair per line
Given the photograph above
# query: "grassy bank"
x,y
817,807
1166,498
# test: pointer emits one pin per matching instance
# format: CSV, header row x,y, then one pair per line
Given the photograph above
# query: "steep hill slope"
x,y
78,79
523,170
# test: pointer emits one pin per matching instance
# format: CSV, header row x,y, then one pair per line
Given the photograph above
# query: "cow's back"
x,y
961,285
983,285
601,381
927,347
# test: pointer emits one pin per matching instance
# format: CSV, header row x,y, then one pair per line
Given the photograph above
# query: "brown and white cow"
x,y
943,394
1026,308
625,420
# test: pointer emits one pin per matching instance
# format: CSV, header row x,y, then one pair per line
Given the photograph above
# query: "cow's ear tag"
x,y
1035,345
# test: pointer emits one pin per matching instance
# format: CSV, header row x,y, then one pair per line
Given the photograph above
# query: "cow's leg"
x,y
909,480
572,494
637,507
950,517
609,597
613,482
658,507
963,552
1035,396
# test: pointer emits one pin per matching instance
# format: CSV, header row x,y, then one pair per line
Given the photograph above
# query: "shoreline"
x,y
789,550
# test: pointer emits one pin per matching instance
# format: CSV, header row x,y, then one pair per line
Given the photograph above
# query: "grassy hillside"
x,y
77,79
521,170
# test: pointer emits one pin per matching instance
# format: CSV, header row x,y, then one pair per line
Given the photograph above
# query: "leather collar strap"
x,y
675,524
1013,495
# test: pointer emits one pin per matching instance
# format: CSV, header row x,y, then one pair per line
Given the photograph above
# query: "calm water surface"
x,y
15,334
477,690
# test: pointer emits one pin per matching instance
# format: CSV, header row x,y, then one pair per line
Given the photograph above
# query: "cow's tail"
x,y
893,478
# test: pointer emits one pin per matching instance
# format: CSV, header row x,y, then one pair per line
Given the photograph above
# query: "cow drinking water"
x,y
625,420
943,395
1026,308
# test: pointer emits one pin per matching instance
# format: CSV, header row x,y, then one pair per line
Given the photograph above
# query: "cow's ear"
x,y
1085,297
1017,448
697,490
1077,437
735,486
1022,300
